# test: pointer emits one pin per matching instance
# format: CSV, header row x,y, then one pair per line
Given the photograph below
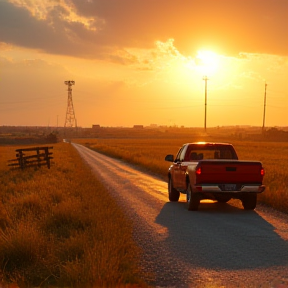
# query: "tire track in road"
x,y
218,246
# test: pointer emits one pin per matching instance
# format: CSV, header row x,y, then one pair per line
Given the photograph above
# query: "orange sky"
x,y
139,62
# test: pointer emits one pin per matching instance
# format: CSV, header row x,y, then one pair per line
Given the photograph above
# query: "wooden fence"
x,y
42,157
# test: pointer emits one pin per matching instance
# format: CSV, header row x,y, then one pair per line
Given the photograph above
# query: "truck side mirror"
x,y
169,158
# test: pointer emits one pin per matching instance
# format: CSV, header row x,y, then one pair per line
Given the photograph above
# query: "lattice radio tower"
x,y
70,120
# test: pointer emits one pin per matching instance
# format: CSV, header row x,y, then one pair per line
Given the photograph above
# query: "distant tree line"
x,y
36,139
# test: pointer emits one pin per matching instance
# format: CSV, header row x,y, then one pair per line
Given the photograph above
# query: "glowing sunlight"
x,y
207,62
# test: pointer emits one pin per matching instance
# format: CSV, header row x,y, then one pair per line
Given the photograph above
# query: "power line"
x,y
205,78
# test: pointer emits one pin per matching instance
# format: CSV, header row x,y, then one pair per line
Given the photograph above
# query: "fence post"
x,y
47,157
38,157
21,159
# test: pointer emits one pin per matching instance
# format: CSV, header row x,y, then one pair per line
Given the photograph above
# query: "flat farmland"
x,y
149,154
56,228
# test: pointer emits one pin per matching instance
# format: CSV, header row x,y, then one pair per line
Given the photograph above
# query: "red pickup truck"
x,y
203,170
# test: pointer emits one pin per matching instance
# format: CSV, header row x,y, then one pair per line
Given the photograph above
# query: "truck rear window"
x,y
200,153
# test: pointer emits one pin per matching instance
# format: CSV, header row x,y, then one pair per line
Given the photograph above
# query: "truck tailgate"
x,y
229,171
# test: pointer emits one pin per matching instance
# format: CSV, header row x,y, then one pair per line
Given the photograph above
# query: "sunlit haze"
x,y
143,62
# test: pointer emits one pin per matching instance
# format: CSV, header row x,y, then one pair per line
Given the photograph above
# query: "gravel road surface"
x,y
221,245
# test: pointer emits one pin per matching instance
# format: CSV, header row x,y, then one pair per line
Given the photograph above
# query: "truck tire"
x,y
193,199
249,201
173,194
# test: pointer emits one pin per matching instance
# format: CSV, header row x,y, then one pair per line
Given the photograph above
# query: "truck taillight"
x,y
198,171
262,172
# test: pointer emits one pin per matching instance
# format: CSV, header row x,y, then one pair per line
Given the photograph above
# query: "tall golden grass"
x,y
59,227
149,154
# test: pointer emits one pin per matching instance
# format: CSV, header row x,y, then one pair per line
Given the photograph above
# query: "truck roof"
x,y
209,143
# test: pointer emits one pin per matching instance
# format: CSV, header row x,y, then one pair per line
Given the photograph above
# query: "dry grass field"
x,y
149,153
59,227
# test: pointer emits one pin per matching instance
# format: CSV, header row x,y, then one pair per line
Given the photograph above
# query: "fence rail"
x,y
41,158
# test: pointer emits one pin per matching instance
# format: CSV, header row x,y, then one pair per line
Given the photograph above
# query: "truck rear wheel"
x,y
173,194
249,201
193,199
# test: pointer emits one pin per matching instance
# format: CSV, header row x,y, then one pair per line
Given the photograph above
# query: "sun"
x,y
207,62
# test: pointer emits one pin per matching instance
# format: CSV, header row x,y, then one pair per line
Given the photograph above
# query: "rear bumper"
x,y
214,188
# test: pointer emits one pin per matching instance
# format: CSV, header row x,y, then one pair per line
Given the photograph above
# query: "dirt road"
x,y
218,246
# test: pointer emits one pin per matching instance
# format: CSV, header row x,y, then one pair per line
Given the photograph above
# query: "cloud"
x,y
5,47
42,10
52,33
96,29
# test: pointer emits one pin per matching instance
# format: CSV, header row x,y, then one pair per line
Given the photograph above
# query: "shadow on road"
x,y
221,236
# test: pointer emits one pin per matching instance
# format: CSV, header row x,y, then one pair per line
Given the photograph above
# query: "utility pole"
x,y
205,78
264,114
70,120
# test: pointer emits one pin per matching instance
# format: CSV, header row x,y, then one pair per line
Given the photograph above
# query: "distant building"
x,y
97,126
138,126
